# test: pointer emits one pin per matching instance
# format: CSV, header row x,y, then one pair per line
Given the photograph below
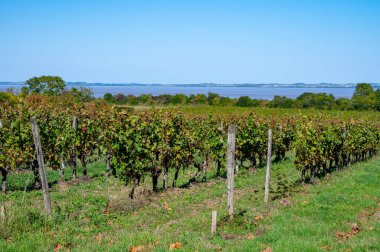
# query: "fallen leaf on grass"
x,y
348,235
175,245
259,217
99,238
250,236
166,206
57,247
366,196
342,235
354,229
268,249
136,249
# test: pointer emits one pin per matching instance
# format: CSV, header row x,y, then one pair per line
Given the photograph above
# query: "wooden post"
x,y
2,213
166,173
213,222
41,166
230,169
62,172
166,179
269,155
205,166
4,173
108,164
73,151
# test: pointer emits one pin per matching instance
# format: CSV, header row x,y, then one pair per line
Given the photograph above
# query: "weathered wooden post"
x,y
4,173
73,151
41,166
108,164
213,222
269,155
62,172
206,163
166,173
2,213
230,169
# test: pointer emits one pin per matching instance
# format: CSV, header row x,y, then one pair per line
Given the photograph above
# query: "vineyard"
x,y
151,143
136,145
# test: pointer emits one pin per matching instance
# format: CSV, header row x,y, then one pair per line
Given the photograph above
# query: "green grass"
x,y
95,214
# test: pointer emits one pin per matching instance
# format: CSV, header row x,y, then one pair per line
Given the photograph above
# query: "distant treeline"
x,y
364,98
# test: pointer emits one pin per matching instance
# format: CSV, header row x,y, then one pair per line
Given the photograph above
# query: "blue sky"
x,y
162,41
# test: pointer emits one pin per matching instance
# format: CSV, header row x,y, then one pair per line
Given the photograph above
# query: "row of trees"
x,y
364,98
49,86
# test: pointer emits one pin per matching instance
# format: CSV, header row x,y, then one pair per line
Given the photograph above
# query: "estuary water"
x,y
229,91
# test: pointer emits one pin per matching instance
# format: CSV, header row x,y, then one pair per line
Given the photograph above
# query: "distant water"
x,y
233,92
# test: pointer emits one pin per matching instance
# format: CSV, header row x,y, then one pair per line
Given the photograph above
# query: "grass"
x,y
95,214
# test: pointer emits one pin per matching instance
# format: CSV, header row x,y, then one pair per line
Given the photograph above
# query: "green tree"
x,y
163,99
211,96
179,99
244,101
343,103
312,100
108,97
49,85
199,99
281,102
215,101
144,98
364,97
131,99
225,101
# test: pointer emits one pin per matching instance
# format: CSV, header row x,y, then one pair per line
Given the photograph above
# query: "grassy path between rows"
x,y
339,213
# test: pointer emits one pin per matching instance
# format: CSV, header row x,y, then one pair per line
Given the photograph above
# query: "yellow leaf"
x,y
175,245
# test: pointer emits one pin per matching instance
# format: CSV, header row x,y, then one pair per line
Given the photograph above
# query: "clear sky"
x,y
191,41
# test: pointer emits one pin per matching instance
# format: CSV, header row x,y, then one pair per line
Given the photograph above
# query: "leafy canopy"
x,y
364,97
49,85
